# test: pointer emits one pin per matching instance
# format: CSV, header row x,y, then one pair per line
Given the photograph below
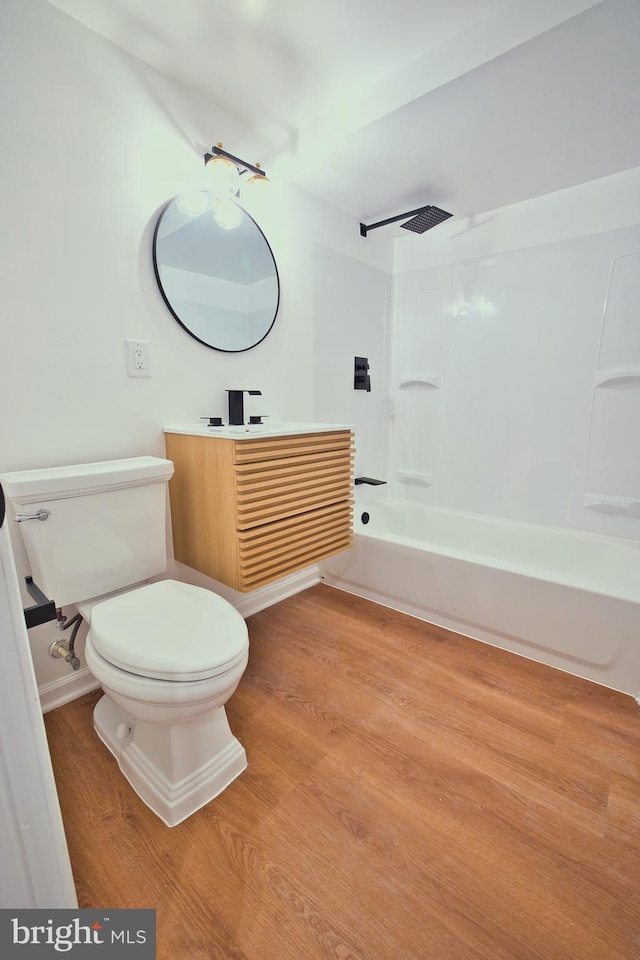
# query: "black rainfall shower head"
x,y
423,219
427,218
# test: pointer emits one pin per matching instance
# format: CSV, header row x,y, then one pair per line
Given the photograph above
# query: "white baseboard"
x,y
275,592
58,692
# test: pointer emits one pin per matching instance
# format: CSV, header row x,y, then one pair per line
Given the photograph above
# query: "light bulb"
x,y
227,214
223,177
256,186
194,203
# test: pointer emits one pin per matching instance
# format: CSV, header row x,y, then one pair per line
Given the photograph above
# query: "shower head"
x,y
422,219
427,218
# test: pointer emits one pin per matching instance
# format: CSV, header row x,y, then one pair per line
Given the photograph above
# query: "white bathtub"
x,y
571,600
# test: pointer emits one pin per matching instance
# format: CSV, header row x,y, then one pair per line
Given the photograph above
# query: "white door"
x,y
34,860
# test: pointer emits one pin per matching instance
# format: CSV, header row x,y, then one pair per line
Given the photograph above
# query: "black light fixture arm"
x,y
219,152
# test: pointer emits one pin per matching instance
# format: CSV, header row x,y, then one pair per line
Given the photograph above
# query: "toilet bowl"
x,y
168,656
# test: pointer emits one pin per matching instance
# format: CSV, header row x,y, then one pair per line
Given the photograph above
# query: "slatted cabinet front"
x,y
247,512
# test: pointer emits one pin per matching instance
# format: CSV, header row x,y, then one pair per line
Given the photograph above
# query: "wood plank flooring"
x,y
411,795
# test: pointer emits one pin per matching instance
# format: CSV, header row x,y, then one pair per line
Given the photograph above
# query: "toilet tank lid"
x,y
56,483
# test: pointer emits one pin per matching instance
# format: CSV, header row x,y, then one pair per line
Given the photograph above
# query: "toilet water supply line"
x,y
62,648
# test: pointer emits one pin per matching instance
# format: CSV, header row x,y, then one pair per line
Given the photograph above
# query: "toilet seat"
x,y
169,631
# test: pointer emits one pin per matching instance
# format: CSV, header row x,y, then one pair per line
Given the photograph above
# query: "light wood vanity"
x,y
250,509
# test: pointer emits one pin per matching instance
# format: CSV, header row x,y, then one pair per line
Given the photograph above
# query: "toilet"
x,y
167,654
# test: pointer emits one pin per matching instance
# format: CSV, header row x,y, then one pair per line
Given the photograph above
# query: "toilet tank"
x,y
106,529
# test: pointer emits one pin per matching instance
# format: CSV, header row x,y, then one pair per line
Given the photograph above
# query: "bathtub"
x,y
568,599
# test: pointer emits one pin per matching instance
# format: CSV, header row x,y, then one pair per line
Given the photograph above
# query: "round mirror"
x,y
220,283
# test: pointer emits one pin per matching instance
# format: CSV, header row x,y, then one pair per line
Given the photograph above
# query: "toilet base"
x,y
174,768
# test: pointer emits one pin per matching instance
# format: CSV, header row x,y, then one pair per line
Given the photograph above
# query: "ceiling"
x,y
381,107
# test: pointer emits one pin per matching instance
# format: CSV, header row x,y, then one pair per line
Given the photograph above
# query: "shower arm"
x,y
420,220
364,228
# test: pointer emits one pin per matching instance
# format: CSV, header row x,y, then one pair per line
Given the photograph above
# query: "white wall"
x,y
503,319
351,301
95,143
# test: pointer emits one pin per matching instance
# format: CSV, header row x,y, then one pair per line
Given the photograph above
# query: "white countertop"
x,y
278,428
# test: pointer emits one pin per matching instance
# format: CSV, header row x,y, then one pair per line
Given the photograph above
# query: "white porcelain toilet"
x,y
168,655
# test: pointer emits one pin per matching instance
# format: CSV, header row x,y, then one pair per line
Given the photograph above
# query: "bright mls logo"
x,y
101,934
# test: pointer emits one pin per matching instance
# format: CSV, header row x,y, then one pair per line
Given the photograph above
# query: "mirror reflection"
x,y
220,283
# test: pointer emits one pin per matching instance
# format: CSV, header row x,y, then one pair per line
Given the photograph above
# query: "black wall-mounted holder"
x,y
422,219
361,378
43,610
369,480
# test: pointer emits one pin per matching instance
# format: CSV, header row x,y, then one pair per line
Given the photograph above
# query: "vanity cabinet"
x,y
249,511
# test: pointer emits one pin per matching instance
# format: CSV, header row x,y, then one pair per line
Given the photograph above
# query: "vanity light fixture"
x,y
224,172
223,177
424,218
248,187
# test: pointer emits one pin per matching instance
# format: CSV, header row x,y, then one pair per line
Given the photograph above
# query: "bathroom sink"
x,y
275,428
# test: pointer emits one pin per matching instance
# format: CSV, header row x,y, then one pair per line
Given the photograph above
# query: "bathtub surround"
x,y
613,467
514,384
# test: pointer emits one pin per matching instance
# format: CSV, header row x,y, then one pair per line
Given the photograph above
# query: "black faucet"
x,y
236,405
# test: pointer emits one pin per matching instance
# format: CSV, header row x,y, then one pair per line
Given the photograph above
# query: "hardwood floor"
x,y
410,794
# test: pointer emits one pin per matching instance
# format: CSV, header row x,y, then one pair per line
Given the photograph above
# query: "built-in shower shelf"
x,y
618,506
412,476
428,382
618,378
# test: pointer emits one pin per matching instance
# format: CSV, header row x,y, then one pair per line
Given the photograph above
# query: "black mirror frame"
x,y
172,311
